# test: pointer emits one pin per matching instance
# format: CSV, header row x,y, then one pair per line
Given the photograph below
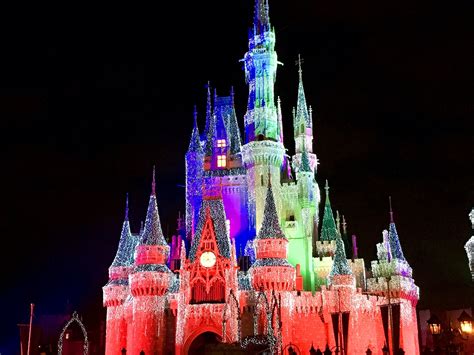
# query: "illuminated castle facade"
x,y
253,264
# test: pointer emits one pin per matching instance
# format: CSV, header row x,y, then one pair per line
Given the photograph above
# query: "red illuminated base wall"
x,y
167,325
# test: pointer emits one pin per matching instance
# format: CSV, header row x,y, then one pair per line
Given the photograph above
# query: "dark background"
x,y
91,97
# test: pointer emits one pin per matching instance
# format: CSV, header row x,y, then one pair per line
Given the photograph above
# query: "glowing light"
x,y
221,161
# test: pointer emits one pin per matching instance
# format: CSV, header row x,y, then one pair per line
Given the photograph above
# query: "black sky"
x,y
92,97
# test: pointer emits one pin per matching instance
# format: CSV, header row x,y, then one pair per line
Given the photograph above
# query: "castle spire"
x,y
152,234
126,208
280,119
208,109
233,128
210,123
340,265
328,229
261,20
124,256
153,184
302,114
195,143
271,225
393,239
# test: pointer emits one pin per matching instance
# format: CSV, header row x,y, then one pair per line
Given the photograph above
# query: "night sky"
x,y
92,97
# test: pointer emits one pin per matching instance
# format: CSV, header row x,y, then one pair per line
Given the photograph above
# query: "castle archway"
x,y
201,339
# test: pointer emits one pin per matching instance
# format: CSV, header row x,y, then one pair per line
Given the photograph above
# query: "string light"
x,y
75,318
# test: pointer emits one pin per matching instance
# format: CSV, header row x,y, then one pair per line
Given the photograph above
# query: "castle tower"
x,y
116,291
301,243
326,245
272,272
393,279
343,283
194,171
263,150
149,283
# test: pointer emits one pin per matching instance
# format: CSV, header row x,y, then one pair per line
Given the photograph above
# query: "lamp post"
x,y
444,337
465,321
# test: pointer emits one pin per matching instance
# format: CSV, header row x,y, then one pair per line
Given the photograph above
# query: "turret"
x,y
116,290
328,235
392,277
340,266
392,265
271,270
149,282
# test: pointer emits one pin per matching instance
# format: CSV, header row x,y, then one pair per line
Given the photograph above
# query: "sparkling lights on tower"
x,y
254,265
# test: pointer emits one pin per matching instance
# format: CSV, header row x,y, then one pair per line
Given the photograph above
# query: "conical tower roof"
x,y
340,265
208,111
271,225
195,143
395,246
328,229
126,247
233,128
302,114
211,128
152,234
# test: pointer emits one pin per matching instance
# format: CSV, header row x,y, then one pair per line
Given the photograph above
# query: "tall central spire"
x,y
261,17
260,74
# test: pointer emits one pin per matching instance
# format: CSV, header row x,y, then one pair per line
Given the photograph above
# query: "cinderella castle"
x,y
253,268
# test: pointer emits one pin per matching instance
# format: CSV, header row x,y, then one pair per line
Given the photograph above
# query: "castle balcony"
x,y
149,283
263,153
205,311
271,248
119,272
399,287
383,268
278,278
325,247
152,254
114,294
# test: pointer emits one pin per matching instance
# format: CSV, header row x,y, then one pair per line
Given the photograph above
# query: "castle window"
x,y
221,161
221,143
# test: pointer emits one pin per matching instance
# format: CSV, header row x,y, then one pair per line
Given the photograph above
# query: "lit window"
x,y
221,143
67,335
221,161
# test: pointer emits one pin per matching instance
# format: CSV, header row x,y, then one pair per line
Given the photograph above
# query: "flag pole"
x,y
29,332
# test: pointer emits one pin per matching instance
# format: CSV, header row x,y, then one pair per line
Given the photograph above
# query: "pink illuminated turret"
x,y
117,290
271,270
149,283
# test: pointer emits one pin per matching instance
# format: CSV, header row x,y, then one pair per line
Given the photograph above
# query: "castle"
x,y
253,265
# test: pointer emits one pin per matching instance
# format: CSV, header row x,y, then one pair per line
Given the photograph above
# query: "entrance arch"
x,y
200,337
